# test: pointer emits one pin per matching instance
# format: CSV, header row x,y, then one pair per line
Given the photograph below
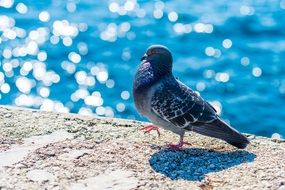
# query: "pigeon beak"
x,y
144,57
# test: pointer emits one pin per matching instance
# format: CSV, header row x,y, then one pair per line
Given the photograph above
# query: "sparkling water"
x,y
80,56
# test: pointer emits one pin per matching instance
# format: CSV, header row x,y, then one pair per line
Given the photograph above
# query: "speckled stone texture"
x,y
44,150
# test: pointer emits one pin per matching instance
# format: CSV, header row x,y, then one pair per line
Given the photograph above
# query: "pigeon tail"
x,y
219,129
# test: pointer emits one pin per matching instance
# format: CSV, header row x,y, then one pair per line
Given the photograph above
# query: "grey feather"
x,y
169,103
219,129
177,103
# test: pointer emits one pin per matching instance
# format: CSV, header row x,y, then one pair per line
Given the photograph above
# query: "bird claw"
x,y
149,128
179,145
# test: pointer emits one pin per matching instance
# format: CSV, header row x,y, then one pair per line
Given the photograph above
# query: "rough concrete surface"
x,y
44,150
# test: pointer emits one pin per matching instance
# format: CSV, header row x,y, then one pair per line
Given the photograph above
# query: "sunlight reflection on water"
x,y
80,56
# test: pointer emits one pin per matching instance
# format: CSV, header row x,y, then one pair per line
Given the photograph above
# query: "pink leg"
x,y
149,128
179,145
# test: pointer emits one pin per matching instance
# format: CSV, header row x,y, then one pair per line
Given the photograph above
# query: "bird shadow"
x,y
194,163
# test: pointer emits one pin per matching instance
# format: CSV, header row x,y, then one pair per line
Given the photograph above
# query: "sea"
x,y
80,56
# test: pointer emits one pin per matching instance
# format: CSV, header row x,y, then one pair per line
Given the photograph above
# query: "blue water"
x,y
80,56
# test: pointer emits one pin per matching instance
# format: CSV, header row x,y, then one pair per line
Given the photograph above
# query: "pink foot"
x,y
149,128
179,145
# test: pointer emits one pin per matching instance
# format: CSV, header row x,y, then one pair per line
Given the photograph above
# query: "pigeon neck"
x,y
146,76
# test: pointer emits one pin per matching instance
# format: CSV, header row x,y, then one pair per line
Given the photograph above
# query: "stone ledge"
x,y
67,151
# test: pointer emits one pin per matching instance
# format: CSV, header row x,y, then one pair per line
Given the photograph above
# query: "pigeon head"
x,y
155,64
160,59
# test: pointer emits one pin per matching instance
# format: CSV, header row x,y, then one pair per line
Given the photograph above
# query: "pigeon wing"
x,y
176,103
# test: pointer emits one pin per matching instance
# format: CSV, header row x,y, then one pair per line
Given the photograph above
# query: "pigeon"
x,y
171,105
